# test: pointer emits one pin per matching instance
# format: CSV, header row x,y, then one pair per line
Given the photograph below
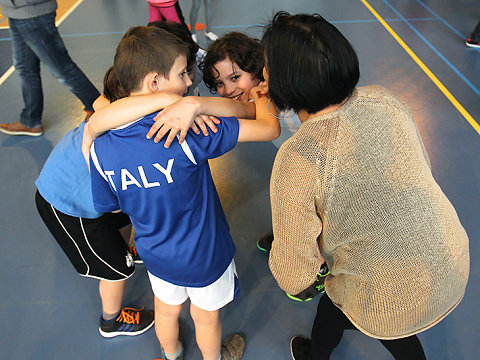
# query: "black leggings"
x,y
328,328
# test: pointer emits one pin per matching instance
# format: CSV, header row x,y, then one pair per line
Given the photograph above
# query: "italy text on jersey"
x,y
127,177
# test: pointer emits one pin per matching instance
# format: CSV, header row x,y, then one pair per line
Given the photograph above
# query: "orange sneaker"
x,y
136,258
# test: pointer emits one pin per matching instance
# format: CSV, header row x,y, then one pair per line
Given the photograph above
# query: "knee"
x,y
167,311
203,317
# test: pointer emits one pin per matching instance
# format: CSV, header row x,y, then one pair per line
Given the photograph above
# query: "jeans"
x,y
37,39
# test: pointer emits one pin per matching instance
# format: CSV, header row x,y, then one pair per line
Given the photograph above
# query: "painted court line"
x,y
445,60
6,75
427,71
246,26
444,22
12,68
239,26
68,12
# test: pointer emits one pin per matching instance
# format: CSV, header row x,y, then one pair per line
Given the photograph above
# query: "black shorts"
x,y
95,247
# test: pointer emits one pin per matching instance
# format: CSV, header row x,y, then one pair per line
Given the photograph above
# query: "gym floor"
x,y
414,48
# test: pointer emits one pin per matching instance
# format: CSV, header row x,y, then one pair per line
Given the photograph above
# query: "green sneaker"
x,y
265,243
318,287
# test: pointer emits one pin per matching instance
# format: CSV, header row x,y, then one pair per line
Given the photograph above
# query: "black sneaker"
x,y
130,322
233,347
318,287
471,43
265,243
135,256
301,348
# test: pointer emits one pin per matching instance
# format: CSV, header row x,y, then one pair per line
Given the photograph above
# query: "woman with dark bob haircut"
x,y
353,187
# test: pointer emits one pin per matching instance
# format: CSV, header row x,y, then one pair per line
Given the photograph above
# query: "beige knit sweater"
x,y
355,187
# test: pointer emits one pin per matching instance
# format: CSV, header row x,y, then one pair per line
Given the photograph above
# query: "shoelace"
x,y
133,251
130,315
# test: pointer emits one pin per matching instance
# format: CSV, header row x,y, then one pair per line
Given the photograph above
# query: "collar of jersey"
x,y
127,125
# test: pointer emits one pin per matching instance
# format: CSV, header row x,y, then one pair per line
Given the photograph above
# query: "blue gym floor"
x,y
49,312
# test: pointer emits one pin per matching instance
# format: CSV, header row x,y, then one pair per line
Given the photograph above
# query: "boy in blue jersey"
x,y
181,231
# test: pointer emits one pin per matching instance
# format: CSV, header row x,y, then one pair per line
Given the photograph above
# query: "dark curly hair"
x,y
245,51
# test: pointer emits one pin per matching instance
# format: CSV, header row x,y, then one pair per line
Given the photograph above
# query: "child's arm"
x,y
121,112
265,128
100,103
178,116
131,108
128,109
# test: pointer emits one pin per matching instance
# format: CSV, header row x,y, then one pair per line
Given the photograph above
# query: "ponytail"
x,y
112,89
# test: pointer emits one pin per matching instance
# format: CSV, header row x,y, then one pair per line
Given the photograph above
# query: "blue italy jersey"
x,y
182,233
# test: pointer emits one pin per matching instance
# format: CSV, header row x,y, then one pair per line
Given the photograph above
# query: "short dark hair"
x,y
183,34
310,64
143,49
243,50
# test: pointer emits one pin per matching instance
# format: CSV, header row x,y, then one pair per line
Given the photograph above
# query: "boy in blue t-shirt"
x,y
181,230
90,239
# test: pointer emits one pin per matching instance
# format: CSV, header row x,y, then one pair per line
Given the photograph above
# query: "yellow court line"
x,y
68,12
10,71
427,71
6,75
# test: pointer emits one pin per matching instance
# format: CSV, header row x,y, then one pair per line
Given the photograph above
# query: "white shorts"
x,y
209,298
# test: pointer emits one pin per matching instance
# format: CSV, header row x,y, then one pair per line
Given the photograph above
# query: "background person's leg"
x,y
28,66
327,330
208,14
408,348
194,15
208,18
155,13
170,14
43,39
475,35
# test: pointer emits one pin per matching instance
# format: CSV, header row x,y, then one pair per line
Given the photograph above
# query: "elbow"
x,y
282,276
275,132
278,131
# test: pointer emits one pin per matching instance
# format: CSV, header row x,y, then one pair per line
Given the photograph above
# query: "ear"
x,y
151,82
265,73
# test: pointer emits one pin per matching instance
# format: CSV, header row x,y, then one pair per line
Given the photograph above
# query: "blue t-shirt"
x,y
64,181
182,233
